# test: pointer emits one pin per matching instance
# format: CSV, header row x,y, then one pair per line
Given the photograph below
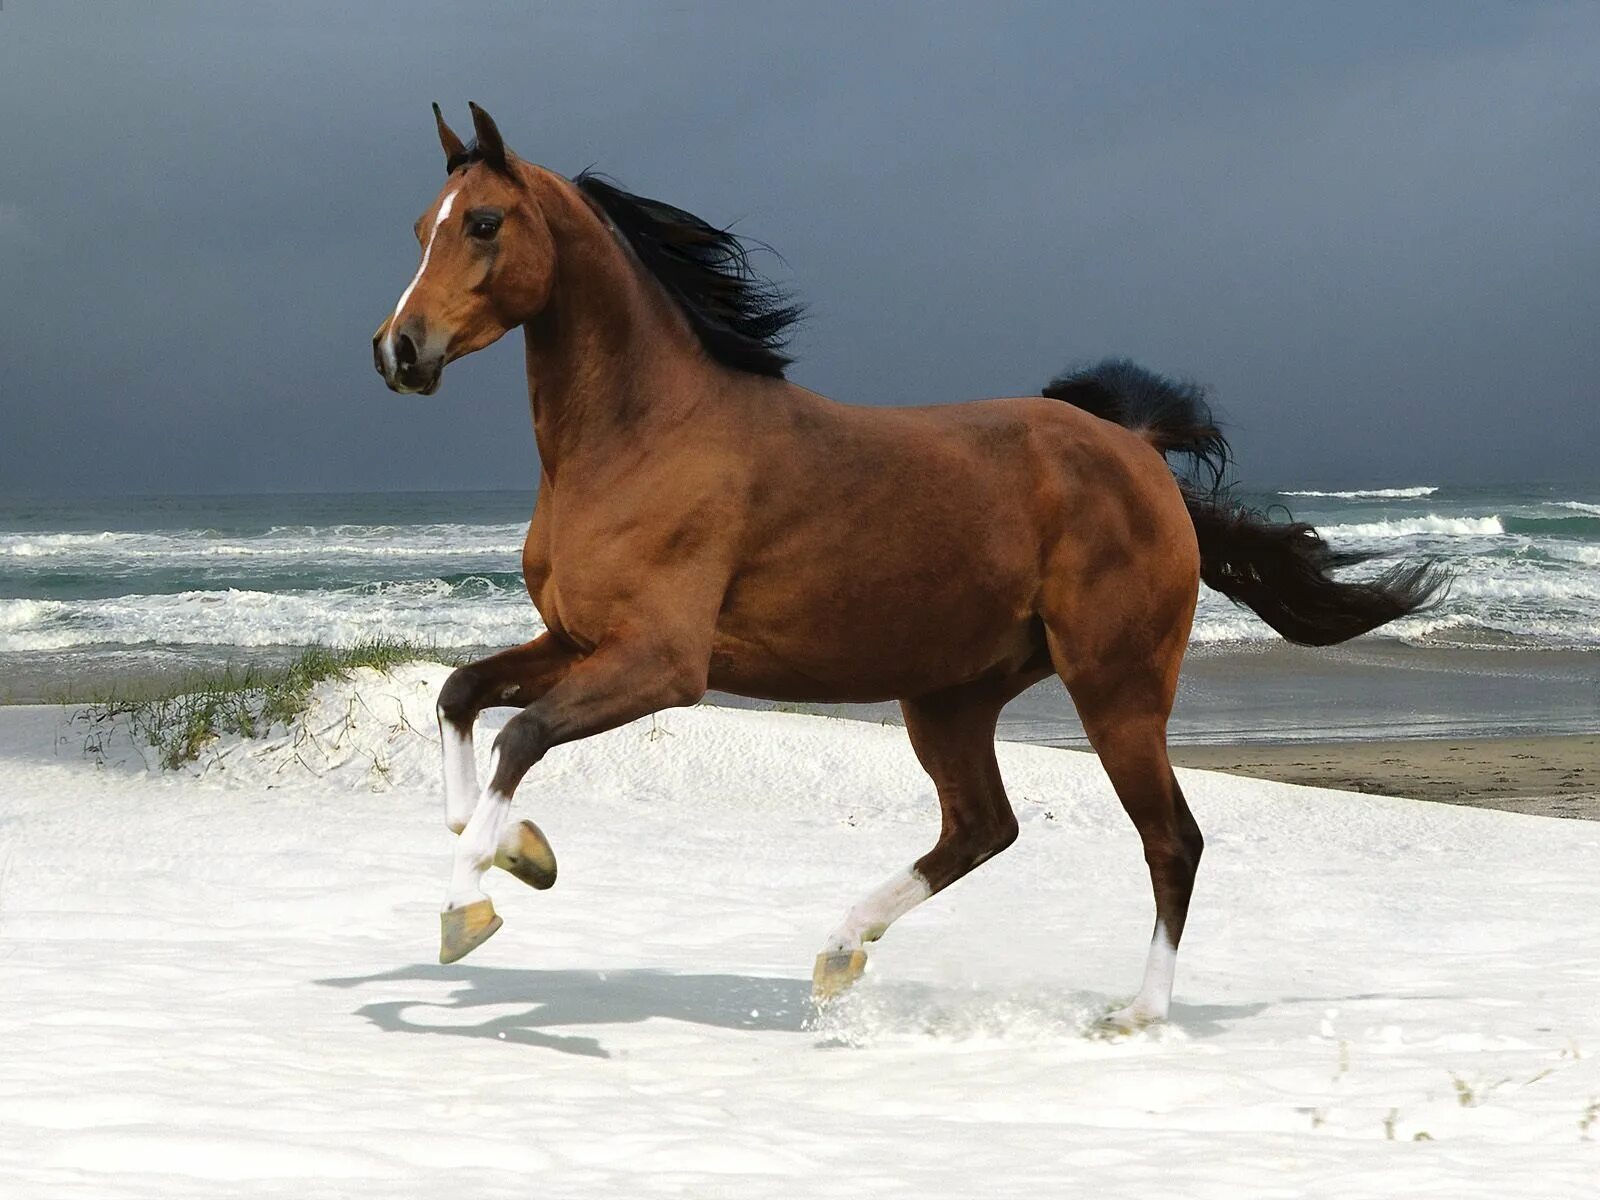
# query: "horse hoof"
x,y
1125,1020
834,973
462,930
533,861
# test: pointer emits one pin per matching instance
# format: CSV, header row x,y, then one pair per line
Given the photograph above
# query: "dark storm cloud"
x,y
1373,228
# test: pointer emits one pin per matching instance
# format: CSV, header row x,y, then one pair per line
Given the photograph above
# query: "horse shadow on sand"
x,y
535,1005
551,1000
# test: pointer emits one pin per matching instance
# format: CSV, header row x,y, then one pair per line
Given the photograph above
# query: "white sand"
x,y
221,983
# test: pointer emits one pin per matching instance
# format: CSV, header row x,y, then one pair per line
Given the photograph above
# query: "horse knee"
x,y
459,697
521,744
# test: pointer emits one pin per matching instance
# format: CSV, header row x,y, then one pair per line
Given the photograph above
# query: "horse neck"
x,y
609,357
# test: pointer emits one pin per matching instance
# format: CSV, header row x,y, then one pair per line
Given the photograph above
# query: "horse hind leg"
x,y
1126,721
1173,844
953,736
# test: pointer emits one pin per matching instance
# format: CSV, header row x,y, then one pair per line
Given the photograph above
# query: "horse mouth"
x,y
415,381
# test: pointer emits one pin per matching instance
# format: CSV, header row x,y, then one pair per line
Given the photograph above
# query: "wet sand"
x,y
1553,776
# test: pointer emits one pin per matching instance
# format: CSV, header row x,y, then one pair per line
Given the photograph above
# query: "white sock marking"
x,y
868,920
476,848
460,775
1155,994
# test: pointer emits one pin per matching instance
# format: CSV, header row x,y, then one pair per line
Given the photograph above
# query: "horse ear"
x,y
453,149
490,144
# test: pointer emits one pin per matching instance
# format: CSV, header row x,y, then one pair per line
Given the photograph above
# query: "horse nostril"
x,y
405,352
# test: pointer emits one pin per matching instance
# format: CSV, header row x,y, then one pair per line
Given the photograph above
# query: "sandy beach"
x,y
1556,776
220,980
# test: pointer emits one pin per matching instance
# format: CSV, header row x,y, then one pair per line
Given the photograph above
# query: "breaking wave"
x,y
470,611
1400,493
1432,524
298,543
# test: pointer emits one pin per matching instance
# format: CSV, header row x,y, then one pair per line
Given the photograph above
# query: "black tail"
x,y
1282,570
1173,415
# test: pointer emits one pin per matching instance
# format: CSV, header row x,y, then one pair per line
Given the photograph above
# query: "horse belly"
x,y
862,644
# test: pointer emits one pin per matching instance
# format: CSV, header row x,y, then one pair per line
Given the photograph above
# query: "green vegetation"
x,y
178,718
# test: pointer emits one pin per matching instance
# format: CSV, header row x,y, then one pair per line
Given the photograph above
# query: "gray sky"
x,y
1373,228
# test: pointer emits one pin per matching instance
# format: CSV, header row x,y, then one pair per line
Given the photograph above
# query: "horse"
x,y
703,523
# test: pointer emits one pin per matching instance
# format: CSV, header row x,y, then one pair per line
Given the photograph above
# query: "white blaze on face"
x,y
427,251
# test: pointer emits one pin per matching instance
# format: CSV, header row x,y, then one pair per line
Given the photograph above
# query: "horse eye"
x,y
483,228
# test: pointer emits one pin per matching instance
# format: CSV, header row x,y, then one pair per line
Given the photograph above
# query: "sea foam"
x,y
178,546
1432,524
1400,493
432,612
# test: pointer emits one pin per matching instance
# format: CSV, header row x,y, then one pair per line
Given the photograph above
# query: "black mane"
x,y
742,319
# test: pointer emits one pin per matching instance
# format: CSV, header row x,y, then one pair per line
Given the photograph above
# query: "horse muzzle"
x,y
407,360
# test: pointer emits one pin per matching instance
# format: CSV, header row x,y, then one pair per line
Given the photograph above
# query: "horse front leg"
x,y
511,679
619,682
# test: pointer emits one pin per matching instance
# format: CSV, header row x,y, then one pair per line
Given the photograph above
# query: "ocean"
x,y
95,588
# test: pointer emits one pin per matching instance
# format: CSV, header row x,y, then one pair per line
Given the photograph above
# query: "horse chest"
x,y
569,602
536,573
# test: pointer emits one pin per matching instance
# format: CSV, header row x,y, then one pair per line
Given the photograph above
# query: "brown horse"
x,y
701,523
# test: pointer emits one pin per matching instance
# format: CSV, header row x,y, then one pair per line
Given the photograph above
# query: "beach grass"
x,y
177,718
